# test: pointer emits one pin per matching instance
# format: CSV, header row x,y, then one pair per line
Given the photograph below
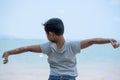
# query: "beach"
x,y
94,63
85,73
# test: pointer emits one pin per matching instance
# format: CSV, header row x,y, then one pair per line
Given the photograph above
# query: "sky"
x,y
82,18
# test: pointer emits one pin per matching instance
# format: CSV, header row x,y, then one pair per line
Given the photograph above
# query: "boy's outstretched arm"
x,y
88,42
33,48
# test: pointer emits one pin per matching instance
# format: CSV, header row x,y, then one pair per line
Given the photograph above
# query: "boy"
x,y
61,54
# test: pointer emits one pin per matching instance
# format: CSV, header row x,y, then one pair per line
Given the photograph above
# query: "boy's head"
x,y
54,25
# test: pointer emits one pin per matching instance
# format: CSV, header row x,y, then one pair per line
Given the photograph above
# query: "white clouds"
x,y
116,19
61,11
114,2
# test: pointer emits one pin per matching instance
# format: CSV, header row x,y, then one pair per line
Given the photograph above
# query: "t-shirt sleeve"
x,y
45,47
76,46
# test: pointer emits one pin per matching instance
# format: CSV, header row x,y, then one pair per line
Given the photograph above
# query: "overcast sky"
x,y
82,18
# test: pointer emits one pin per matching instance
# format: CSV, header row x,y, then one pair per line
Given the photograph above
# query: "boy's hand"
x,y
5,58
114,43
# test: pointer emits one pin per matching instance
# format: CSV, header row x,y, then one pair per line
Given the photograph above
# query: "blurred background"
x,y
20,25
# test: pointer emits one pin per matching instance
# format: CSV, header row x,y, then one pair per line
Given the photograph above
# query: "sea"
x,y
97,62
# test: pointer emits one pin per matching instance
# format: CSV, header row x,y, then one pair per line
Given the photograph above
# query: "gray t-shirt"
x,y
62,61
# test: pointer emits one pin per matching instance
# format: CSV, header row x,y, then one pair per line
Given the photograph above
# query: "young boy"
x,y
61,54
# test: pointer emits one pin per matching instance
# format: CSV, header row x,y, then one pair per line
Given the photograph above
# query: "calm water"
x,y
100,62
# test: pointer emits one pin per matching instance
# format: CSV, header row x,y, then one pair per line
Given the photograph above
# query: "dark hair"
x,y
54,25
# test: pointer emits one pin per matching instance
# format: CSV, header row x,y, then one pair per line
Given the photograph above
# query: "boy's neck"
x,y
60,42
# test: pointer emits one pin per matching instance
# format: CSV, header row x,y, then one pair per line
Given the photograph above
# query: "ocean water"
x,y
98,62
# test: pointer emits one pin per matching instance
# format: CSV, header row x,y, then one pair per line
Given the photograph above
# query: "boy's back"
x,y
62,61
